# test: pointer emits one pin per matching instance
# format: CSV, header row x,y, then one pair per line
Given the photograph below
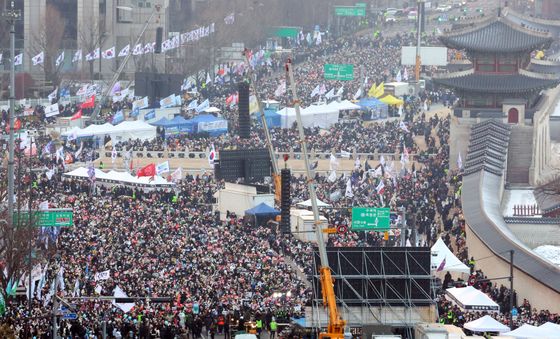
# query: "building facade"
x,y
547,9
91,24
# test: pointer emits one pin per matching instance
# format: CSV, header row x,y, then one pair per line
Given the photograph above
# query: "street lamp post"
x,y
11,15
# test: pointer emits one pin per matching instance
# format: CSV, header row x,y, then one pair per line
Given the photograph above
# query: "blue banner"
x,y
135,112
118,118
150,115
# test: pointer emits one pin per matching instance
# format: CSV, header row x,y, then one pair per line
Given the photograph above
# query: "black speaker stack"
x,y
286,200
244,117
159,40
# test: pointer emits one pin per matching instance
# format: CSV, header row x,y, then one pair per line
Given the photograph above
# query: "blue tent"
x,y
371,103
207,123
262,209
272,118
160,122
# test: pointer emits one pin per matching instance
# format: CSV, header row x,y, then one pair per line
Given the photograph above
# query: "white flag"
x,y
38,59
162,168
340,91
51,110
109,54
102,275
315,91
60,59
204,105
119,293
193,104
332,176
333,164
124,52
281,89
459,161
77,56
322,90
114,155
212,156
177,174
138,50
402,126
349,193
76,291
52,96
399,76
330,94
358,94
0,58
18,59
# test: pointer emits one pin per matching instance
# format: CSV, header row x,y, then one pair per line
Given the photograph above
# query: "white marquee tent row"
x,y
470,299
322,116
440,253
120,177
123,131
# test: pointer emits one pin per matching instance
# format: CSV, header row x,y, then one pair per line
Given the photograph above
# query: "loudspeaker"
x,y
159,38
244,118
156,85
286,200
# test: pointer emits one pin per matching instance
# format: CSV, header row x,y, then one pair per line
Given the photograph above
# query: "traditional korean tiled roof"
x,y
497,35
497,83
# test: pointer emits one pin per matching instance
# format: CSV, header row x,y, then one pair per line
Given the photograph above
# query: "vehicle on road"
x,y
390,18
412,15
443,8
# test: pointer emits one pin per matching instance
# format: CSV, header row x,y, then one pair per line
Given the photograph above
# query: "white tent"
x,y
551,326
470,299
212,110
530,331
121,177
307,203
441,252
138,129
321,116
123,131
486,324
287,117
343,105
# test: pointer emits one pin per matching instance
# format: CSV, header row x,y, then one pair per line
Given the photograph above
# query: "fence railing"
x,y
526,210
293,155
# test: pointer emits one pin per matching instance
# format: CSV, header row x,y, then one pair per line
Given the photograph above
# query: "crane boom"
x,y
335,327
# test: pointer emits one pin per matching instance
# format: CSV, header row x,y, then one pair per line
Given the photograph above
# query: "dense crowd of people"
x,y
220,273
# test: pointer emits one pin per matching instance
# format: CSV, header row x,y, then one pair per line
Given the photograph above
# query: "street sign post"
x,y
342,72
60,217
371,219
349,11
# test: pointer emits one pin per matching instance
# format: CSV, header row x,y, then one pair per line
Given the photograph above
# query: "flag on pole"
x,y
281,89
193,104
340,91
404,157
441,265
399,76
212,156
138,50
315,91
330,94
109,54
204,105
380,187
147,171
371,91
51,110
76,291
349,193
52,96
402,126
124,52
77,115
177,174
230,19
18,59
162,168
358,94
380,90
333,163
60,59
77,56
459,161
38,59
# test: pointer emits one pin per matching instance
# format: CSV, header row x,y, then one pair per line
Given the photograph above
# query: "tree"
x,y
90,38
49,41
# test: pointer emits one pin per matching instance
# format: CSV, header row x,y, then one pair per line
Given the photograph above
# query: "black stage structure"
x,y
378,287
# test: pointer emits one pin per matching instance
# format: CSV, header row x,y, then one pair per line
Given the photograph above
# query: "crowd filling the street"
x,y
149,243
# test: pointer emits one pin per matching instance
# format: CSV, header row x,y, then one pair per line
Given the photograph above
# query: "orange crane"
x,y
336,325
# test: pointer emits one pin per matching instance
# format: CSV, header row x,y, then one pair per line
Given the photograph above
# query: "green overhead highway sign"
x,y
339,72
361,4
349,11
371,219
61,217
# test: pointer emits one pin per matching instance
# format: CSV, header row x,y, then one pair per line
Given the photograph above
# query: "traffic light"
x,y
286,200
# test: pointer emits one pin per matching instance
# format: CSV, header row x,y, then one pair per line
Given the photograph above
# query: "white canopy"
x,y
551,326
343,105
441,252
212,110
123,131
470,299
122,177
307,203
486,324
321,116
530,331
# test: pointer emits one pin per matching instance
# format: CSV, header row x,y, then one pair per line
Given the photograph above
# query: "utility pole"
x,y
511,289
403,229
11,15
